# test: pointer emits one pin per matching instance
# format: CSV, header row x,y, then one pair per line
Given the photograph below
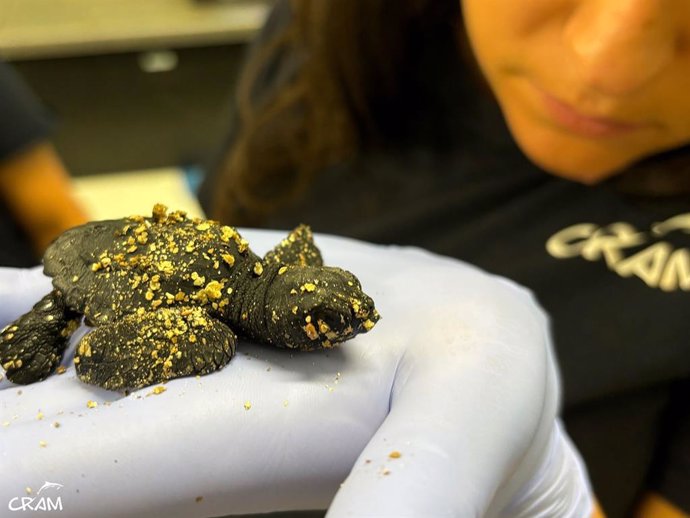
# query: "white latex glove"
x,y
446,408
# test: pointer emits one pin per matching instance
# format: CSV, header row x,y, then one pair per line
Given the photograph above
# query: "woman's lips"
x,y
589,126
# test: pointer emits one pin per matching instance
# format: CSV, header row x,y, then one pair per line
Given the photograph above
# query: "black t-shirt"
x,y
23,122
612,270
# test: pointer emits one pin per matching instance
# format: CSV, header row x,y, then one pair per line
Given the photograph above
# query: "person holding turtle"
x,y
544,141
446,406
372,119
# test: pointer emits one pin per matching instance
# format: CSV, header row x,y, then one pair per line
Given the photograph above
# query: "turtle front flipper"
x,y
297,248
152,347
31,347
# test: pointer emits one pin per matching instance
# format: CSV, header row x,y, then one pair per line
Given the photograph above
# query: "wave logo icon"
x,y
49,485
38,503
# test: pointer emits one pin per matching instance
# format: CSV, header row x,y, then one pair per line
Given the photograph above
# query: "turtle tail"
x,y
32,346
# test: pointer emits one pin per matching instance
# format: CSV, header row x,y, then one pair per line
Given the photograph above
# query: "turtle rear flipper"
x,y
31,347
152,347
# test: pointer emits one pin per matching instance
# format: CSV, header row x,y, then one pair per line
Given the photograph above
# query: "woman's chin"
x,y
577,167
581,160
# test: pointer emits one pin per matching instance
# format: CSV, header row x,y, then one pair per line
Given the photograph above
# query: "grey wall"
x,y
113,116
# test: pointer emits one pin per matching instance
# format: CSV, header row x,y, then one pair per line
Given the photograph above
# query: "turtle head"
x,y
314,307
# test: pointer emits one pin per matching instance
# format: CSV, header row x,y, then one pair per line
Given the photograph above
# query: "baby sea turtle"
x,y
166,295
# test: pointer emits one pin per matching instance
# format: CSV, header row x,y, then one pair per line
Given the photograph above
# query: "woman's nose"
x,y
621,45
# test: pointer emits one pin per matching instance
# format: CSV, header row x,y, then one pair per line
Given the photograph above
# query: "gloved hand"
x,y
446,408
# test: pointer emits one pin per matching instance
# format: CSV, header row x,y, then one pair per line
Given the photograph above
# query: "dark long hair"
x,y
330,79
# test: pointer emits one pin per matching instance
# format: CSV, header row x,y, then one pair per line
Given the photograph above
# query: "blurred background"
x,y
140,89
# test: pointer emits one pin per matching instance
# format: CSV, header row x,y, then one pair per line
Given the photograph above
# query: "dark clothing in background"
x,y
23,122
612,270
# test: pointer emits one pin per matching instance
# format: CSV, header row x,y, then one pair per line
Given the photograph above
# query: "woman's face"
x,y
587,86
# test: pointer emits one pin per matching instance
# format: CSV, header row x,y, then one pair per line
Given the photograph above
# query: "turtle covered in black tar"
x,y
167,296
